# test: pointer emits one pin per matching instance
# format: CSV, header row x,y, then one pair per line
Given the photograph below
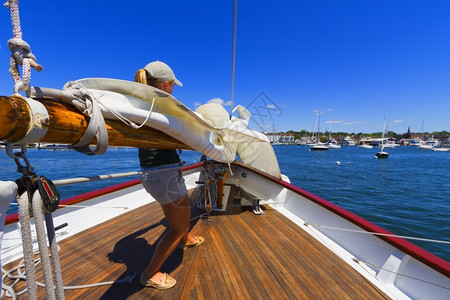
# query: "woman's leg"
x,y
178,215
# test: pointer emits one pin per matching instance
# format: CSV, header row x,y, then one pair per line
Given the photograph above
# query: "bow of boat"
x,y
269,239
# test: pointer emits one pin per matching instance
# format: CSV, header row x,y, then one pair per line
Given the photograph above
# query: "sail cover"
x,y
209,129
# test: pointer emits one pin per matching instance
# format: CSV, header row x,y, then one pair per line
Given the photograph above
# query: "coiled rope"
x,y
12,293
53,291
20,52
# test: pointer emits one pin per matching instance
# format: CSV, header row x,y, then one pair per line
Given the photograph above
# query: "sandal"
x,y
166,282
198,241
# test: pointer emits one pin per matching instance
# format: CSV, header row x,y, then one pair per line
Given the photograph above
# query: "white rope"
x,y
10,292
228,161
24,217
20,52
127,121
377,233
57,275
122,118
148,116
42,243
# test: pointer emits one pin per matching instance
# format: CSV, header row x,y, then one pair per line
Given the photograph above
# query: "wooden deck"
x,y
245,256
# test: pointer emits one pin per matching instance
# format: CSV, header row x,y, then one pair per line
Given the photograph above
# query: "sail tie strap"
x,y
20,52
78,96
96,128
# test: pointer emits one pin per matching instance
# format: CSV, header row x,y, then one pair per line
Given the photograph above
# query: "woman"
x,y
162,178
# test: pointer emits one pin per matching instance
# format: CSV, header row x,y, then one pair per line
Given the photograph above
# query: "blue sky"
x,y
356,61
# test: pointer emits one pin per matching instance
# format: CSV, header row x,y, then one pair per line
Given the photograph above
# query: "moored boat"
x,y
440,149
366,146
333,144
382,154
319,147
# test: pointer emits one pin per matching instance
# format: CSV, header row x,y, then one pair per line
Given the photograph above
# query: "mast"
x,y
318,127
233,63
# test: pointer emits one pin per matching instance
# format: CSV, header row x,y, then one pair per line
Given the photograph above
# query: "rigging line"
x,y
127,121
399,274
90,206
122,118
358,261
233,64
60,182
148,116
381,234
227,147
83,206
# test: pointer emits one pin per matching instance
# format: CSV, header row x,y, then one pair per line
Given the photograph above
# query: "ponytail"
x,y
141,76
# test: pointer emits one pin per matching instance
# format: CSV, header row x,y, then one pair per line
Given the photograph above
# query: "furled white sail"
x,y
208,130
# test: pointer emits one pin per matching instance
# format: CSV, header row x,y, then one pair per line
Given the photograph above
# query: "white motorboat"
x,y
319,147
366,146
440,149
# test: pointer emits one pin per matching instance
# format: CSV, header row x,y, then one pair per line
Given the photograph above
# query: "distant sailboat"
x,y
426,145
317,145
331,143
382,153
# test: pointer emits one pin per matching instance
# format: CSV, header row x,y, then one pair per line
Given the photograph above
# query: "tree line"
x,y
440,135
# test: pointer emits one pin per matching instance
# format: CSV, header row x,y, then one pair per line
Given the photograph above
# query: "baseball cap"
x,y
161,71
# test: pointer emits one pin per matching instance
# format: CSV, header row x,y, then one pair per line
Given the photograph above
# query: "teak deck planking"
x,y
245,256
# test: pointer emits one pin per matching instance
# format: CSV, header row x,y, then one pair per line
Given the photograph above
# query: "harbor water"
x,y
407,194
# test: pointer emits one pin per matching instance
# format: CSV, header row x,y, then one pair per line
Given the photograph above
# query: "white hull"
x,y
319,147
381,154
425,147
441,149
365,146
333,146
402,271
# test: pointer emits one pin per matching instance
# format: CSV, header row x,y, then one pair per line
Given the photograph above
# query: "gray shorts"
x,y
165,185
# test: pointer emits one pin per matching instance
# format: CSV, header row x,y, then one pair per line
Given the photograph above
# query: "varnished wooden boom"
x,y
67,125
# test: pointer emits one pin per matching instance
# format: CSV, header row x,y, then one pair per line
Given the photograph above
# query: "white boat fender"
x,y
8,191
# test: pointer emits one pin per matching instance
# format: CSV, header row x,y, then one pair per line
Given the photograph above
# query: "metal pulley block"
x,y
49,194
47,190
29,182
